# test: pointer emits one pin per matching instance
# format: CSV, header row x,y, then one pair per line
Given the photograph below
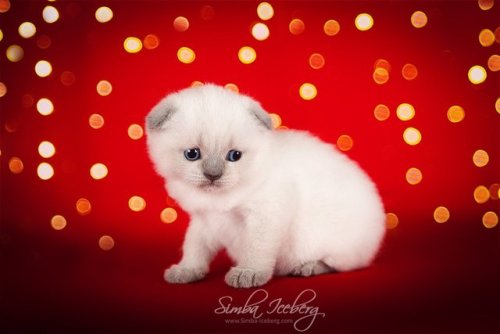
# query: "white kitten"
x,y
279,202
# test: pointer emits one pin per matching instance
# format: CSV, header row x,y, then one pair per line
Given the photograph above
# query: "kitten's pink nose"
x,y
212,177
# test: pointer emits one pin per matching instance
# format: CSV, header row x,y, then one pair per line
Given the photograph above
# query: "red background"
x,y
429,277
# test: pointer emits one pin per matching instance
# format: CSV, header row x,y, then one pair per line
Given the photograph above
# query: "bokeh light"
x,y
16,165
181,24
3,89
331,27
151,42
414,176
405,111
497,105
441,214
485,4
480,158
103,14
419,19
364,22
106,243
14,53
381,112
44,106
1,35
481,194
276,120
98,171
260,31
168,215
67,78
494,191
43,68
456,114
96,121
58,222
132,44
50,14
308,91
247,55
232,87
490,219
27,30
316,61
345,143
45,171
186,55
83,206
494,63
4,6
104,88
486,37
409,71
412,136
135,131
383,63
207,13
380,75
46,149
265,11
391,220
136,203
477,74
296,26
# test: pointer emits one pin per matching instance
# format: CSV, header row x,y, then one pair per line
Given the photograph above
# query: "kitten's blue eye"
x,y
192,154
233,155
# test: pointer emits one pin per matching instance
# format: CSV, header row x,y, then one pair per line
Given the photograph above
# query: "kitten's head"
x,y
208,138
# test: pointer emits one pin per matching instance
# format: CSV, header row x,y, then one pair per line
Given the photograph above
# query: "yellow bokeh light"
x,y
477,74
1,35
485,4
409,71
381,112
316,61
43,68
103,14
181,24
168,215
247,55
136,203
331,27
441,214
490,219
50,14
405,111
380,75
412,136
58,222
106,243
497,105
481,194
27,30
494,63
96,121
344,143
260,31
132,44
364,22
391,220
276,120
480,158
151,42
197,83
456,114
104,88
14,53
383,63
83,206
3,89
308,91
46,149
414,176
419,19
232,87
135,131
45,171
186,55
16,165
265,11
486,37
98,171
45,106
296,26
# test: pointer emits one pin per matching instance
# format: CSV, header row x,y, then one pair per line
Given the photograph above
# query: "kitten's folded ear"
x,y
159,115
261,115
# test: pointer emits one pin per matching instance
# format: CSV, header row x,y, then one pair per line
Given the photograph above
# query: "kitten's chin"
x,y
211,187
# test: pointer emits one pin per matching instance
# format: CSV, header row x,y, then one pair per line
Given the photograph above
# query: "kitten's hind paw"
x,y
310,269
178,275
247,278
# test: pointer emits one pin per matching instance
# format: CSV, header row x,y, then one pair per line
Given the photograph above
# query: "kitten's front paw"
x,y
247,278
177,274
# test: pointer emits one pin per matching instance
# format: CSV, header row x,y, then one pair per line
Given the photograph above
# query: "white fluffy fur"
x,y
291,205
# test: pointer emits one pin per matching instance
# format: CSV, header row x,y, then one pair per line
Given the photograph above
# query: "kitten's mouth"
x,y
211,186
